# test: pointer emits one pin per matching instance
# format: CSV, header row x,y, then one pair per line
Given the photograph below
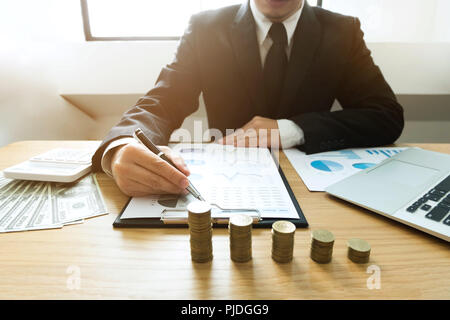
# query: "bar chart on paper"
x,y
320,170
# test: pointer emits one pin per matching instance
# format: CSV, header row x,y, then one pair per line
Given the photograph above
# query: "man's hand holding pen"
x,y
139,172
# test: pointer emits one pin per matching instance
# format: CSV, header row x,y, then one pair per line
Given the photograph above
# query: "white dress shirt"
x,y
290,133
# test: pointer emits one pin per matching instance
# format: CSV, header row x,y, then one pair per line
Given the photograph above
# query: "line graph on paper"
x,y
238,178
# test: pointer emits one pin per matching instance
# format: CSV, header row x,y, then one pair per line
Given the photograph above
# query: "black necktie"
x,y
275,66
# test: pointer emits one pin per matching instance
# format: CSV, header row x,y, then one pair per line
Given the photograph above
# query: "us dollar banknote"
x,y
75,201
32,205
15,202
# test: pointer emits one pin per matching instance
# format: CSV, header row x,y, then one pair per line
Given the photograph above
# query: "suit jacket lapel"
x,y
306,39
246,49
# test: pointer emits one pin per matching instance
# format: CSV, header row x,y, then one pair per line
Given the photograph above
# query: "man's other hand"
x,y
258,132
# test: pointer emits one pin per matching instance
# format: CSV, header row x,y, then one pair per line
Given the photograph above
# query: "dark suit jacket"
x,y
219,56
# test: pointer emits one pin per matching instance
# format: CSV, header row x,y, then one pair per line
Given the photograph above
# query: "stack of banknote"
x,y
34,205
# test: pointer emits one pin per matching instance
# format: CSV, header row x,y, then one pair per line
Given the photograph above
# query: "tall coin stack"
x,y
240,228
199,219
358,250
322,242
283,241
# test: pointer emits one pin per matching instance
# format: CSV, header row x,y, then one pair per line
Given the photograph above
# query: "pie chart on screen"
x,y
363,166
327,166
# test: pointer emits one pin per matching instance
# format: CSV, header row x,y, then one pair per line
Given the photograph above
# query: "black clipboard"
x,y
264,223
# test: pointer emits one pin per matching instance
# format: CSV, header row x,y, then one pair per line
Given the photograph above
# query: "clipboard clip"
x,y
219,216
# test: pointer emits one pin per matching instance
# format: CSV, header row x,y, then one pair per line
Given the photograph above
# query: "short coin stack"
x,y
240,228
199,219
283,241
358,250
322,242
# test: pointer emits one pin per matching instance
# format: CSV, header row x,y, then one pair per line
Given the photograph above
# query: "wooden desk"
x,y
156,264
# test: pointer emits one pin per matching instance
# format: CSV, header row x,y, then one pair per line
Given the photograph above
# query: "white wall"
x,y
43,55
30,107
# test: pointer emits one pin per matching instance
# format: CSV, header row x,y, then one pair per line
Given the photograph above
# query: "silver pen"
x,y
140,136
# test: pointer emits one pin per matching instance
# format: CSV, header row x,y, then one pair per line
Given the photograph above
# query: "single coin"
x,y
202,259
359,259
241,220
282,259
359,245
358,254
323,236
199,207
283,226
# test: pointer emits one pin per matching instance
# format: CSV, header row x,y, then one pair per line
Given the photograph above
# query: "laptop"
x,y
412,187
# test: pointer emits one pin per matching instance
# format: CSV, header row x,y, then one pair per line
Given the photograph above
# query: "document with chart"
x,y
228,177
321,170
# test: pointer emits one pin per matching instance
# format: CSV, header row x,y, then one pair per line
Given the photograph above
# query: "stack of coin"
x,y
322,242
283,241
199,219
240,228
358,250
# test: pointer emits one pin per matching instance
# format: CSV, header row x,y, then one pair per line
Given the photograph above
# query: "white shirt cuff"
x,y
291,134
107,154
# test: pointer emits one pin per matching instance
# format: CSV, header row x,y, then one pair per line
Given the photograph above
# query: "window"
x,y
399,20
381,20
143,19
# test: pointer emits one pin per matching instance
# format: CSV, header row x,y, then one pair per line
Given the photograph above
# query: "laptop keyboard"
x,y
435,202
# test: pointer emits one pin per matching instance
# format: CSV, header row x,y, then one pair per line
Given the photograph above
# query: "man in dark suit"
x,y
264,66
